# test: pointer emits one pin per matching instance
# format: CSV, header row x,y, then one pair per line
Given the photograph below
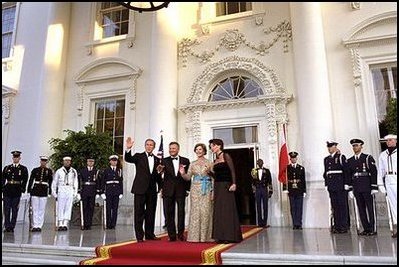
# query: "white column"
x,y
163,76
312,86
163,84
314,106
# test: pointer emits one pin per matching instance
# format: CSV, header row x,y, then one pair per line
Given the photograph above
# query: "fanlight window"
x,y
236,87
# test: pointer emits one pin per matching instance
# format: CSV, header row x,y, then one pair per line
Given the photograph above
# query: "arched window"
x,y
235,87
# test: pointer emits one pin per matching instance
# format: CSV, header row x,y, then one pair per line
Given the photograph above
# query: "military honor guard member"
x,y
39,188
335,178
89,188
296,185
362,173
65,189
112,190
388,177
262,181
13,184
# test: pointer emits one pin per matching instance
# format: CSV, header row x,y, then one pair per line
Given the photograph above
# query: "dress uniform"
x,y
296,184
262,181
112,190
13,184
65,188
39,187
363,181
89,187
387,175
335,178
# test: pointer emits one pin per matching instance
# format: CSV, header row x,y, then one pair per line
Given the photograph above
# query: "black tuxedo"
x,y
145,193
263,191
174,191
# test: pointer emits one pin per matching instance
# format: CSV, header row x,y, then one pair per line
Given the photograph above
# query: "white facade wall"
x,y
58,70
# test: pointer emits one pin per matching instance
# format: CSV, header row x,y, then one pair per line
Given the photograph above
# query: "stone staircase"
x,y
27,254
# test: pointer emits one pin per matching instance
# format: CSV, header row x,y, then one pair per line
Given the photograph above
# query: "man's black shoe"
x,y
140,240
153,238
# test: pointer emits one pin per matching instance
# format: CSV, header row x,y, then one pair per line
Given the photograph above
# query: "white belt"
x,y
112,182
336,171
38,182
89,183
361,174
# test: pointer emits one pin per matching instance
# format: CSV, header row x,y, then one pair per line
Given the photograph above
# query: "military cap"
x,y
390,136
331,143
16,153
356,141
113,157
67,158
45,158
293,154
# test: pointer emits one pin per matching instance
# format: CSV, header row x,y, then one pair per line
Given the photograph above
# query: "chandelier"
x,y
144,6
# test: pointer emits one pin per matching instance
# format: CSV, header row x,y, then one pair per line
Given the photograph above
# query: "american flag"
x,y
160,150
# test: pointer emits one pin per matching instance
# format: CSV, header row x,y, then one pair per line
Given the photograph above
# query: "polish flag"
x,y
284,160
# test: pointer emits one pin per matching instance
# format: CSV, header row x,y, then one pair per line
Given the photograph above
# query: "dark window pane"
x,y
124,27
125,14
100,110
99,126
232,7
109,126
116,16
110,109
120,108
119,126
395,77
105,5
118,145
221,9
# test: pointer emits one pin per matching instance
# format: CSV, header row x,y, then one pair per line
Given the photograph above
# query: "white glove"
x,y
55,195
25,195
382,189
97,196
78,197
103,196
351,195
48,196
373,192
285,191
120,196
346,187
326,188
304,194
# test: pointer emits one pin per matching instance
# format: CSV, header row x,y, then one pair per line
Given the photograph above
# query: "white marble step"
x,y
289,259
49,250
38,259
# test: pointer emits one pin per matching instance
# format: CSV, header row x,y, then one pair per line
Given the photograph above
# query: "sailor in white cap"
x,y
65,188
39,188
387,176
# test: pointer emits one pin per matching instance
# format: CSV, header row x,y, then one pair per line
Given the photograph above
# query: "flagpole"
x,y
160,156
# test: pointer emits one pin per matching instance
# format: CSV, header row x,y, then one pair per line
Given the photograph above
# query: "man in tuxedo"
x,y
262,181
174,191
144,188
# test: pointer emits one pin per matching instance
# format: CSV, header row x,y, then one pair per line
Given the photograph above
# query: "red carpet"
x,y
162,252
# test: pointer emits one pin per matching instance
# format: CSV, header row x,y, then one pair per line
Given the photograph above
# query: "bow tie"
x,y
175,158
150,155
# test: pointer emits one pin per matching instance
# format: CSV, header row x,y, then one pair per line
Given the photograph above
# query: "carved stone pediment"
x,y
6,94
379,28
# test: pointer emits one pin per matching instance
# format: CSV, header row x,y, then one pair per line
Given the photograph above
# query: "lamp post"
x,y
144,6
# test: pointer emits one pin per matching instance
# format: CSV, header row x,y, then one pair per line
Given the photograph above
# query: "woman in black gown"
x,y
226,223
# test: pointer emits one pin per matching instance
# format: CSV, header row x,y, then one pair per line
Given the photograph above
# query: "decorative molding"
x,y
7,64
258,20
355,5
354,36
6,96
271,121
356,68
274,99
84,78
232,39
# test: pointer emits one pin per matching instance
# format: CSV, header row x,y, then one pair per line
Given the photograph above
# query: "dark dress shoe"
x,y
395,235
371,233
38,229
153,238
266,226
140,240
364,233
182,238
172,239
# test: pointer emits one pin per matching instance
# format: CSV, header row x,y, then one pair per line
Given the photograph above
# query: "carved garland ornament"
x,y
233,39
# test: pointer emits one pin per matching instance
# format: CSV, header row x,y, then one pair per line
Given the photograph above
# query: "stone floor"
x,y
271,242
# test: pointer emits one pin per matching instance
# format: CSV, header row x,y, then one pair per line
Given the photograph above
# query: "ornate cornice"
x,y
233,39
